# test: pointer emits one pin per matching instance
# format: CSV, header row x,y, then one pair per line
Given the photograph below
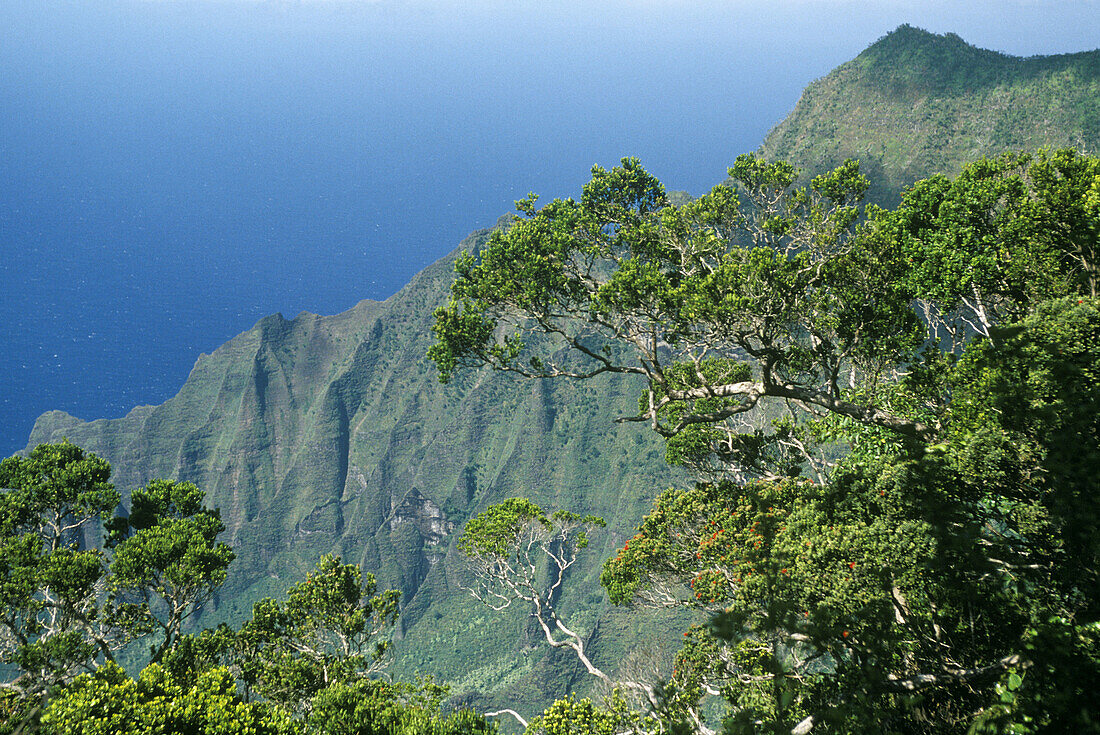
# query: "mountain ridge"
x,y
915,103
326,433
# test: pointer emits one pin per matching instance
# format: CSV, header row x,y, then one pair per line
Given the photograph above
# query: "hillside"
x,y
915,103
332,432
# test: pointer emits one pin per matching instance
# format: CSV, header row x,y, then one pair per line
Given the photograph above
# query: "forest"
x,y
890,421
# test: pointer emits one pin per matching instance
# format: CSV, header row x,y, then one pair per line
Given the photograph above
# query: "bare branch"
x,y
974,675
511,712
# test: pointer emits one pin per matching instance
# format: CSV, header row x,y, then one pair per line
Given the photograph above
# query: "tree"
x,y
52,589
1025,429
373,707
509,545
770,273
571,716
167,556
330,630
902,542
1065,183
110,703
962,579
518,554
77,584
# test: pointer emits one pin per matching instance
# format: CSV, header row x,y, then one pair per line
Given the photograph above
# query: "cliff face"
x,y
323,434
915,103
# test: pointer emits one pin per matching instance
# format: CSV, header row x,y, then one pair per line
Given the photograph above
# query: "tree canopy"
x,y
330,630
85,586
892,415
68,601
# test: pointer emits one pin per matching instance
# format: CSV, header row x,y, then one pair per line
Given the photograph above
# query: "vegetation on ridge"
x,y
916,103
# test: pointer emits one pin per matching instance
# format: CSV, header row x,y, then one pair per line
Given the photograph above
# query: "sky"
x,y
173,170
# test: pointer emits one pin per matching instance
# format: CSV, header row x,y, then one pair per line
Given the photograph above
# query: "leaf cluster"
x,y
69,603
110,703
332,629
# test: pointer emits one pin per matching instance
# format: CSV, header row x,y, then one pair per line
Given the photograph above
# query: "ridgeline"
x,y
916,103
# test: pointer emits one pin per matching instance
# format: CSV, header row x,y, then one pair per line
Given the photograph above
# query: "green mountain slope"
x,y
332,432
916,103
327,433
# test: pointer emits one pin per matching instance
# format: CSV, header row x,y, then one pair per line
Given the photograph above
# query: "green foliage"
x,y
167,558
55,490
915,104
500,530
940,573
494,531
846,600
330,630
372,707
66,609
68,604
1063,181
110,703
800,578
976,232
1026,427
1002,235
159,501
768,270
696,443
51,618
197,652
571,716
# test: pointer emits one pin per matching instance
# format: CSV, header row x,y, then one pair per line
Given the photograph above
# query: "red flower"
x,y
845,634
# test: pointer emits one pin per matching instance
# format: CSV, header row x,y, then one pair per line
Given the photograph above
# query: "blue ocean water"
x,y
172,171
